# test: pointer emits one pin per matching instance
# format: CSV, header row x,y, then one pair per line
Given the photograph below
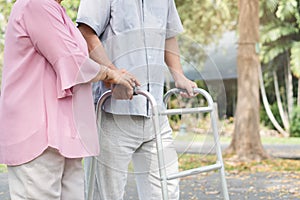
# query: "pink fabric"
x,y
45,100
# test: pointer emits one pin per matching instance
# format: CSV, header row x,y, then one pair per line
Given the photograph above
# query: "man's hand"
x,y
122,92
184,83
124,84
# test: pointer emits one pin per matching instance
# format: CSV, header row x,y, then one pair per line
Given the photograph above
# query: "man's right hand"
x,y
124,83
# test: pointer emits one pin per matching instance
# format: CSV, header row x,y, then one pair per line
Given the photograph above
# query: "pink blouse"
x,y
45,98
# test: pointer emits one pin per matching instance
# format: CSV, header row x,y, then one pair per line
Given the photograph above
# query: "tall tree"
x,y
281,47
246,141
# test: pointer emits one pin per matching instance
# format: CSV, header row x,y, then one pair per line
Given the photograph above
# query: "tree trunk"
x,y
246,141
267,105
282,113
289,87
298,93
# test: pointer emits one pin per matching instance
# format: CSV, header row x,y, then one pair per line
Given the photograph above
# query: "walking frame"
x,y
219,165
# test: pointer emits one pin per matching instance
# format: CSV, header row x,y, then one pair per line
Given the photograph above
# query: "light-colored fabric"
x,y
126,138
45,100
133,34
49,176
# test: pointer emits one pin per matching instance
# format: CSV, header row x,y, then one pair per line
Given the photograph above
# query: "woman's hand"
x,y
124,83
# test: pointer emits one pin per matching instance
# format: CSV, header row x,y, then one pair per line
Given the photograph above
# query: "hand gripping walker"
x,y
219,165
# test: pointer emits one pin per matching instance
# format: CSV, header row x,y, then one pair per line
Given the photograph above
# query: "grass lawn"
x,y
227,139
3,168
189,161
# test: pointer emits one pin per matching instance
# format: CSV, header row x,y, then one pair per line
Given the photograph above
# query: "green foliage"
x,y
265,119
3,168
280,22
71,7
205,21
295,123
5,7
295,58
287,10
275,31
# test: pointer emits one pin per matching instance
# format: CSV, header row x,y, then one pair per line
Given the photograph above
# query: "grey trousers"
x,y
125,138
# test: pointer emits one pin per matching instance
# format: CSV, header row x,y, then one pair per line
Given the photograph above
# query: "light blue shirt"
x,y
133,33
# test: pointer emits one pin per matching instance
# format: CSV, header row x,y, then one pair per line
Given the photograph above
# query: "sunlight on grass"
x,y
3,168
188,161
227,139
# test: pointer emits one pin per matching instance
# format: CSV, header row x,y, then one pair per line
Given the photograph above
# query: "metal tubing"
x,y
195,171
185,111
91,179
196,91
92,168
159,146
213,118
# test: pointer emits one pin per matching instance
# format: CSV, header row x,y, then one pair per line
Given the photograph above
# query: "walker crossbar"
x,y
185,111
195,171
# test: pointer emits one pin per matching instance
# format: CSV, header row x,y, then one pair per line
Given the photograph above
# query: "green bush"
x,y
265,119
295,123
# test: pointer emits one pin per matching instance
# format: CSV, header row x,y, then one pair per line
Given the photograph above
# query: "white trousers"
x,y
131,138
50,176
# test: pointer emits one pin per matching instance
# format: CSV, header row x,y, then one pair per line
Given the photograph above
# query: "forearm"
x,y
95,47
102,75
172,57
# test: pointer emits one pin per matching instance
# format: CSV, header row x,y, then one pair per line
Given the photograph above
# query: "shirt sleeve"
x,y
174,25
95,14
46,26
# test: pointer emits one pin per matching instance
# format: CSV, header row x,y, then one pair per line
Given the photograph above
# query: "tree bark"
x,y
246,143
289,86
298,95
282,113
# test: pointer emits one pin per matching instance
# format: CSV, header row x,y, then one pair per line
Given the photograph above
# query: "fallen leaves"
x,y
188,161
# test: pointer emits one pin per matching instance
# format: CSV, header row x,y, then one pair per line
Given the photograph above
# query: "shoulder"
x,y
42,5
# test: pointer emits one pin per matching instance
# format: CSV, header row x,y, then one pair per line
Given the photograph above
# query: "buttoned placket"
x,y
143,15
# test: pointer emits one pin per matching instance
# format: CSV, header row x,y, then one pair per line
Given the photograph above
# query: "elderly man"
x,y
139,36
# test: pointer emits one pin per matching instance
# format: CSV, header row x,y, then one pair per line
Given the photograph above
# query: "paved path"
x,y
258,186
242,186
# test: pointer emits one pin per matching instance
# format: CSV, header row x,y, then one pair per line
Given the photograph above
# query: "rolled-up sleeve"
x,y
174,25
47,29
95,14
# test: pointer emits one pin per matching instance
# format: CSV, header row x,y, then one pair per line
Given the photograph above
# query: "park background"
x,y
246,53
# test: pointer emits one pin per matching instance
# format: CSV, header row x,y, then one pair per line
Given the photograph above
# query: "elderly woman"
x,y
47,119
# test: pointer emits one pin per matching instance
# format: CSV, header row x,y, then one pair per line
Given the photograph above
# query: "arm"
x,y
172,60
98,54
60,49
96,49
